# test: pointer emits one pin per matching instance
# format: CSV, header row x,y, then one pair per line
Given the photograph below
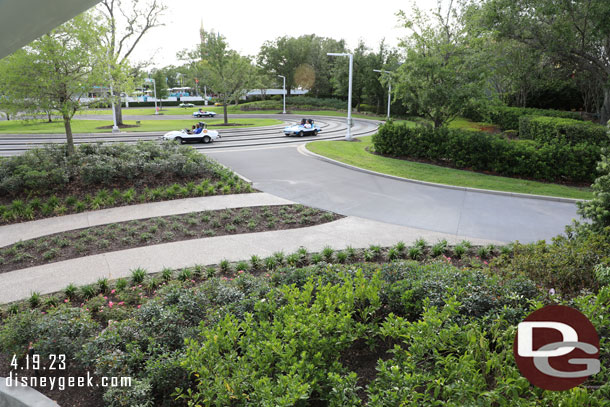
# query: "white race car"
x,y
201,113
305,127
185,105
186,136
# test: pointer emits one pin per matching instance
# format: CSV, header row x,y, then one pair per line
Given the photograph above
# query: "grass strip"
x,y
92,126
356,154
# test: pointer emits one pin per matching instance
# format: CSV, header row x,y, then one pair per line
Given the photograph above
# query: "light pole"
x,y
348,136
389,90
155,90
115,128
284,78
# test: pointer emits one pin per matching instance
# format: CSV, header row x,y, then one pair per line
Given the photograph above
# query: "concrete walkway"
x,y
10,234
351,231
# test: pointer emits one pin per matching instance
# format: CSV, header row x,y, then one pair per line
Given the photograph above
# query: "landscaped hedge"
x,y
49,170
481,151
559,130
508,117
296,103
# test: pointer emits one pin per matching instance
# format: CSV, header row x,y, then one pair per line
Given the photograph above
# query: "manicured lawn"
x,y
355,154
91,126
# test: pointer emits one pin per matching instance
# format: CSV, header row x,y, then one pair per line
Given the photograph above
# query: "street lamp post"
x,y
348,135
115,128
389,90
155,90
284,78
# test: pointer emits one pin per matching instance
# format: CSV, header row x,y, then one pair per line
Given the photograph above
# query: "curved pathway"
x,y
53,277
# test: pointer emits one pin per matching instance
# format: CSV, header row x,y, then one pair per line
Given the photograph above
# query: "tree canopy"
x,y
56,71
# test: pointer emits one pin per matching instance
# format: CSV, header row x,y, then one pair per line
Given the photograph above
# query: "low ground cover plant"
x,y
382,333
46,182
146,232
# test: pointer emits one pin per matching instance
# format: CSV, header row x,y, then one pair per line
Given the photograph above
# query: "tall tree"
x,y
55,71
375,84
227,73
574,32
284,55
323,65
127,22
441,74
340,78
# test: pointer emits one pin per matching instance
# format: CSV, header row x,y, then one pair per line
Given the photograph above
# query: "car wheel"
x,y
301,134
179,140
207,139
315,132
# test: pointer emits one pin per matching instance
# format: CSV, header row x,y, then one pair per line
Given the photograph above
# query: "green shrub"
x,y
508,117
566,265
34,300
17,331
137,276
296,103
71,291
139,394
602,273
598,208
482,151
286,335
558,130
63,331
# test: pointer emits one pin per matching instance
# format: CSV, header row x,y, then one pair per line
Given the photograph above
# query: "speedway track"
x,y
256,137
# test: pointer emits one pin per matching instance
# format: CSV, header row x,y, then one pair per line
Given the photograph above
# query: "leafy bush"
x,y
139,394
566,265
481,151
296,103
64,331
559,130
47,170
598,208
285,353
508,117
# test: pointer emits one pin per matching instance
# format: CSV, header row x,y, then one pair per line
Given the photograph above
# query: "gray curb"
x,y
22,397
303,150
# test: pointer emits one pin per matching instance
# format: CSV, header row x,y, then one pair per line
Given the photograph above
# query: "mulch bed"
x,y
152,231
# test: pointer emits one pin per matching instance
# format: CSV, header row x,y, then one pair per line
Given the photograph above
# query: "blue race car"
x,y
305,127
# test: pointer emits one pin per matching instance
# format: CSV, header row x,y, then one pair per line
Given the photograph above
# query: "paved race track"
x,y
332,128
274,164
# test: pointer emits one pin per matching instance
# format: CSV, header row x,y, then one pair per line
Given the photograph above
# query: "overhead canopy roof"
x,y
22,21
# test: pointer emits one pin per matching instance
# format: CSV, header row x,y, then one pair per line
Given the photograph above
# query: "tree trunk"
x,y
118,109
604,114
69,138
49,117
226,115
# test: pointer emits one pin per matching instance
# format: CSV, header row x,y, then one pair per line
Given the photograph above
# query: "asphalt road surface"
x,y
332,128
289,174
272,162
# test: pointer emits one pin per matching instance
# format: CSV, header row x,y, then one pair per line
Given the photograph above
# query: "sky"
x,y
247,24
